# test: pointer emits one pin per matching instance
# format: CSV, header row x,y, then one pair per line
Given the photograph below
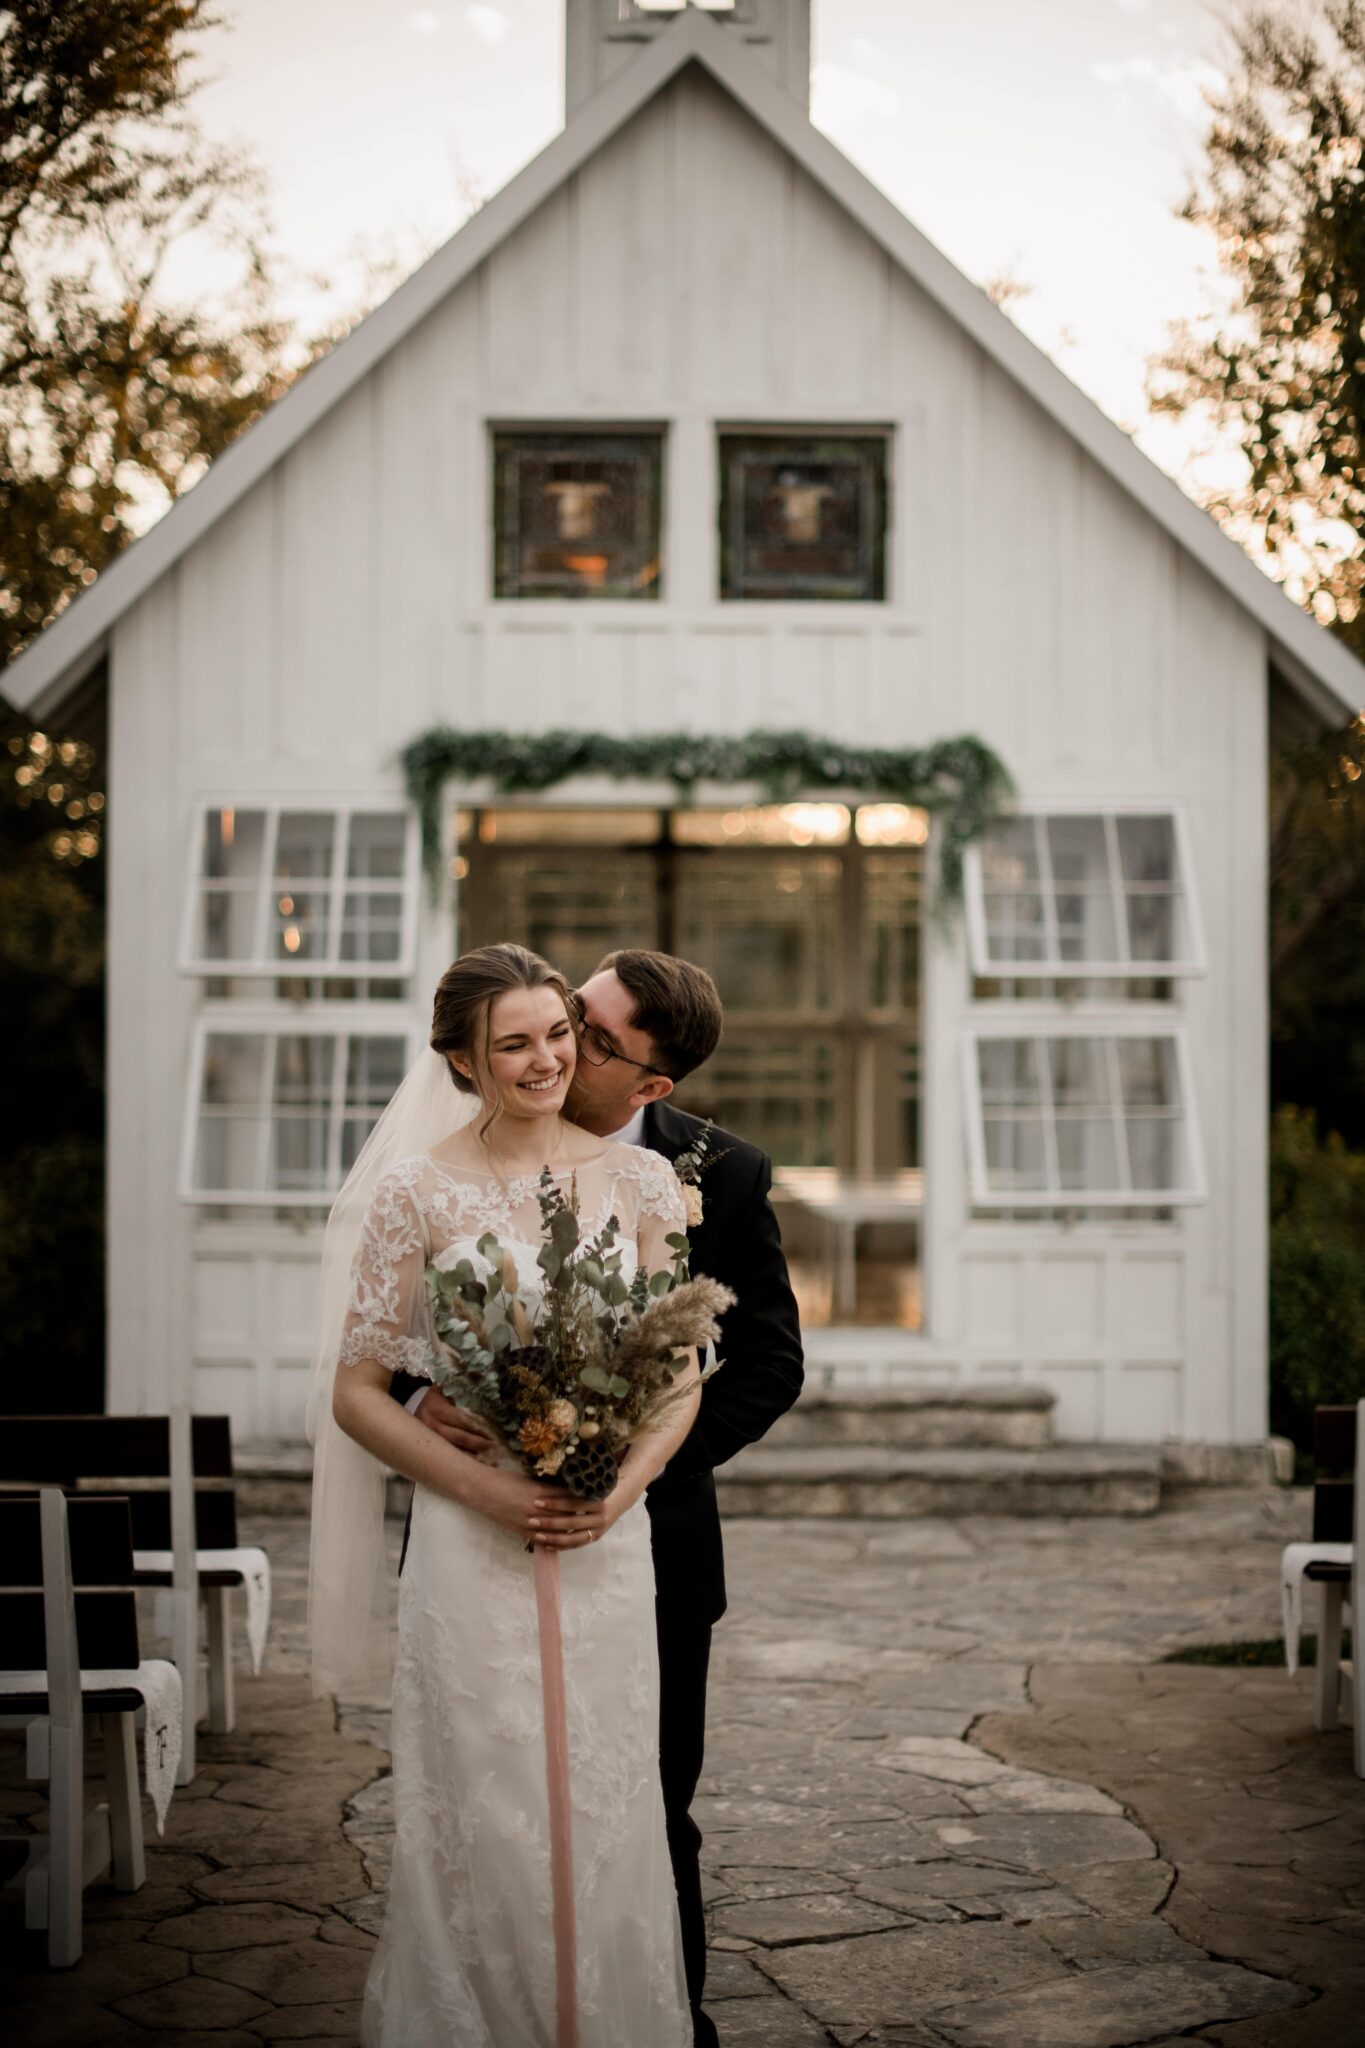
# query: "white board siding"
x,y
621,281
254,1303
529,335
327,613
831,270
346,603
149,1019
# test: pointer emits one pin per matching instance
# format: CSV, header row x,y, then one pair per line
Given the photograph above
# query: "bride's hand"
x,y
562,1523
518,1503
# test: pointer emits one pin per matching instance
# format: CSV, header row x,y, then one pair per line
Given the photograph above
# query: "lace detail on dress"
x,y
424,1209
398,1354
660,1189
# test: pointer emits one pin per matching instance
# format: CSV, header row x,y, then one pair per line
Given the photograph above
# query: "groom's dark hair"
x,y
676,1003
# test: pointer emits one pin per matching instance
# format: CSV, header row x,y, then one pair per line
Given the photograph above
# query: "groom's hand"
x,y
456,1425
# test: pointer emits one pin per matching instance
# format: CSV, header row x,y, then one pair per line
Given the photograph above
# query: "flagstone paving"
x,y
951,1801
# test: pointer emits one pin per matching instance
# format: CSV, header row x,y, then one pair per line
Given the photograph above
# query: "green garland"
x,y
960,781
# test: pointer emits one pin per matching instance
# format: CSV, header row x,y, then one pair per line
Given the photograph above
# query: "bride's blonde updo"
x,y
462,1010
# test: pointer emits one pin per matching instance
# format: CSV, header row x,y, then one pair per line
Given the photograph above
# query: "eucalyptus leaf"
x,y
594,1377
549,1260
564,1229
591,1274
660,1283
618,1388
500,1337
679,1243
616,1290
490,1248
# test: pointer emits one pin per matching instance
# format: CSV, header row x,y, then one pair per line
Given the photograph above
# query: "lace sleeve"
x,y
385,1319
661,1211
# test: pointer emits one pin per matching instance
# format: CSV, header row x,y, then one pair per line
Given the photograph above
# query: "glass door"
x,y
808,917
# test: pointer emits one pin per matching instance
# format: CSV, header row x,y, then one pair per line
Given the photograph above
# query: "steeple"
x,y
600,36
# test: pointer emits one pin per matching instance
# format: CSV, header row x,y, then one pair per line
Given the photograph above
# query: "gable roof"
x,y
1312,660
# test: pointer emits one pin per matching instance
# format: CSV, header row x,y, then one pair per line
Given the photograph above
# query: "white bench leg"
x,y
66,1845
1327,1689
185,1655
222,1704
125,1801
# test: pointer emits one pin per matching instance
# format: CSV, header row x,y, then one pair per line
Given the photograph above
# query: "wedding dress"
x,y
466,1958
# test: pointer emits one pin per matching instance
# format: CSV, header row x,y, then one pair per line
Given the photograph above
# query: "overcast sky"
x,y
1050,140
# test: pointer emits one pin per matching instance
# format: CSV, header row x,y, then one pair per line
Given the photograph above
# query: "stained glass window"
x,y
577,514
803,516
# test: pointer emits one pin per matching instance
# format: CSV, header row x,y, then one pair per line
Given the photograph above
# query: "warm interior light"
x,y
293,938
815,824
227,826
286,906
891,825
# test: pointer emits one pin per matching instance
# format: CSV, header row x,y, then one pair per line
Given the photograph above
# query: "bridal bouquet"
x,y
568,1377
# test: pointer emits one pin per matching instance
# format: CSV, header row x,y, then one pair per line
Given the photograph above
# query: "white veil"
x,y
349,1597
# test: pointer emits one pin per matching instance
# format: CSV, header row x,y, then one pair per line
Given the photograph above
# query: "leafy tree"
x,y
1317,1273
1282,368
1317,928
52,1079
113,398
73,74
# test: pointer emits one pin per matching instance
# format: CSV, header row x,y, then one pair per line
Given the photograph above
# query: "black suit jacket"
x,y
738,1243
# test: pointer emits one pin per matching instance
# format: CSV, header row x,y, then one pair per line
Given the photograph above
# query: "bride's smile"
x,y
532,1053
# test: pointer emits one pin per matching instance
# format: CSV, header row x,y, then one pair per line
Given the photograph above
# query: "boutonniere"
x,y
689,1167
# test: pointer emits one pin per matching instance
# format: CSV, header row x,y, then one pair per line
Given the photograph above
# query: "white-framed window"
x,y
1080,1115
293,890
1105,893
279,1107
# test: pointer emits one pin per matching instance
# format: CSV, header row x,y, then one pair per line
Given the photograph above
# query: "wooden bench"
x,y
68,1651
177,1473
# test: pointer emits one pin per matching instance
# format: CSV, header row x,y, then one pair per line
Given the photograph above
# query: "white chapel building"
x,y
690,430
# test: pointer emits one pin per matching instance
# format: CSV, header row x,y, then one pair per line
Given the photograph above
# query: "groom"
x,y
648,1021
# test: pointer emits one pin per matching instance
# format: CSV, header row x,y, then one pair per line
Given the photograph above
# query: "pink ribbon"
x,y
557,1780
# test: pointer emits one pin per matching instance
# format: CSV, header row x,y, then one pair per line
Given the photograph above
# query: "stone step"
x,y
883,1480
926,1418
866,1482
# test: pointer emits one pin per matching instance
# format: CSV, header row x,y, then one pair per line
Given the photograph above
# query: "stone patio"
x,y
951,1798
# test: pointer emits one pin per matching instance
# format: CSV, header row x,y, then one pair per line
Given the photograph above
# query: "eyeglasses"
x,y
597,1049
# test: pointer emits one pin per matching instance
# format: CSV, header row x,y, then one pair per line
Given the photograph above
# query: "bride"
x,y
467,1955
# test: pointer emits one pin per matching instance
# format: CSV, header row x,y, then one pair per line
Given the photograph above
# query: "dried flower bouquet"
x,y
568,1378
